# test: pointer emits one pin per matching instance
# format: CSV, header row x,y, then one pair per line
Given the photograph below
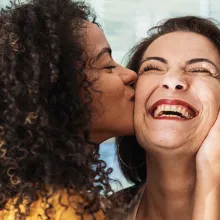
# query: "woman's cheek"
x,y
145,86
208,90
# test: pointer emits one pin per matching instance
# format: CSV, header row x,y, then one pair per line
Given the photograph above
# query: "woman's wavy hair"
x,y
132,157
43,120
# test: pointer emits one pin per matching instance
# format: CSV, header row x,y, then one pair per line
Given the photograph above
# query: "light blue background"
x,y
108,153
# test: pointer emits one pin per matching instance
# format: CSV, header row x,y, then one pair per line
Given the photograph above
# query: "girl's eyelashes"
x,y
195,69
110,67
202,71
199,70
149,68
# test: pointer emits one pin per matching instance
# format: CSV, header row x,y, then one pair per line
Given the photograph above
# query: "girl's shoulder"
x,y
58,207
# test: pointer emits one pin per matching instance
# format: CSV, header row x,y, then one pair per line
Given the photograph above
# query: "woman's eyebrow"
x,y
102,52
154,58
199,60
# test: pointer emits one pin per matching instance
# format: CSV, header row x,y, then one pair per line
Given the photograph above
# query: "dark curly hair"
x,y
43,120
132,156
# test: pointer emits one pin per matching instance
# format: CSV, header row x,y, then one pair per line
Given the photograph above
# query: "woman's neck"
x,y
170,188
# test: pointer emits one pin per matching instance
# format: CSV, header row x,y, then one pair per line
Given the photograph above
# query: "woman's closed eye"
x,y
201,71
110,68
150,68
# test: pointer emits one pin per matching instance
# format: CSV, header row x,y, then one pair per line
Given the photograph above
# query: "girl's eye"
x,y
200,70
110,68
150,68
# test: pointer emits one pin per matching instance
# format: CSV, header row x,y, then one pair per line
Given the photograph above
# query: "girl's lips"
x,y
132,99
193,110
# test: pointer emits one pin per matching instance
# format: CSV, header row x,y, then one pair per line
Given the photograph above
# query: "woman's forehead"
x,y
95,37
182,44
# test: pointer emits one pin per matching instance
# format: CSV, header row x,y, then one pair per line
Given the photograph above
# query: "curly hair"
x,y
132,157
43,120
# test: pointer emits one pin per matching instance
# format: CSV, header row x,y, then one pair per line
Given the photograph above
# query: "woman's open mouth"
x,y
172,109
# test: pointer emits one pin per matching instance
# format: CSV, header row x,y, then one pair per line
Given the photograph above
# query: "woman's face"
x,y
113,106
178,92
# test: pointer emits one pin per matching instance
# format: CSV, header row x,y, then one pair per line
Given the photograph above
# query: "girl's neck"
x,y
170,188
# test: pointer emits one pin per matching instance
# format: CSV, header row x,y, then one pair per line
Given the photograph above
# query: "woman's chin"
x,y
165,141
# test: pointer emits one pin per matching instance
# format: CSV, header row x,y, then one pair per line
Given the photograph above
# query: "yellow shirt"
x,y
58,212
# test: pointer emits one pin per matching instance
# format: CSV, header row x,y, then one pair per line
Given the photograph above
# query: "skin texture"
x,y
113,104
172,144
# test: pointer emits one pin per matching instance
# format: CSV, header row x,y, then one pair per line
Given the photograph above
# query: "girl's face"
x,y
178,92
112,107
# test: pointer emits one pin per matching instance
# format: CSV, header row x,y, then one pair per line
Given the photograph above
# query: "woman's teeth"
x,y
177,111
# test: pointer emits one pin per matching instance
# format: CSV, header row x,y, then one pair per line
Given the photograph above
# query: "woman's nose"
x,y
174,82
128,76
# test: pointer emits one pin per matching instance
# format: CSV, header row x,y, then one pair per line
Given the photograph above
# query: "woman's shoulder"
x,y
128,197
128,194
60,206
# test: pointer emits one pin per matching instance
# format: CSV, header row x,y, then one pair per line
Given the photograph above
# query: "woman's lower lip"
x,y
171,118
132,99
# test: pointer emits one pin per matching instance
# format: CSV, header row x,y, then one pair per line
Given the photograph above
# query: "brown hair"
x,y
42,117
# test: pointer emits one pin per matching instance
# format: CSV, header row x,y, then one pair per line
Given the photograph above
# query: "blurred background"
x,y
125,22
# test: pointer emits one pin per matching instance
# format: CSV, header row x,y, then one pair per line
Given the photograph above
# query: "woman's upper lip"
x,y
132,99
172,102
